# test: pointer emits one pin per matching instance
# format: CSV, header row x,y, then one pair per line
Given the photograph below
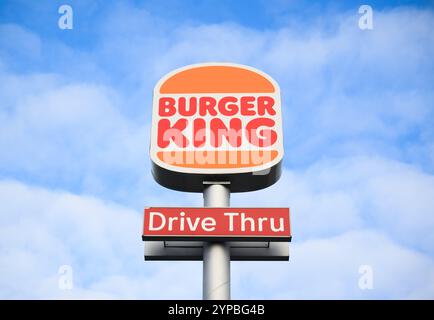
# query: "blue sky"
x,y
75,109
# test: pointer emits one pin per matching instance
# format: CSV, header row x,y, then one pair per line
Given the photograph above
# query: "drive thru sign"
x,y
234,224
216,129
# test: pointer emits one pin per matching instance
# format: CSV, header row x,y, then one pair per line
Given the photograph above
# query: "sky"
x,y
358,119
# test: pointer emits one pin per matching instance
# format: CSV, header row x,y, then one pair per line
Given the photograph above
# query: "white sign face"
x,y
216,119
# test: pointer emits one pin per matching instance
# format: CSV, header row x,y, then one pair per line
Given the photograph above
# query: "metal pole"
x,y
216,255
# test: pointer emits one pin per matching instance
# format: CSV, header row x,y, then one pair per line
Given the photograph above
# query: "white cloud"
x,y
330,270
336,195
24,44
79,120
42,230
345,92
70,134
85,129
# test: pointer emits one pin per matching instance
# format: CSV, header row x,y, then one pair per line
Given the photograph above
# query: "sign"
x,y
216,122
230,224
193,251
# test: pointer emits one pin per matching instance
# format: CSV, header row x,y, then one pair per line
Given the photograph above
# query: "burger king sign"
x,y
216,122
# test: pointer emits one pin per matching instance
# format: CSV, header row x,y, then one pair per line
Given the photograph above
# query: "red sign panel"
x,y
235,224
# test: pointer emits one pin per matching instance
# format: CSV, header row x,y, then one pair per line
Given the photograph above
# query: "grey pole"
x,y
216,255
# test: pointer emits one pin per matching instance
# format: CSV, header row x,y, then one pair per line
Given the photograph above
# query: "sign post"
x,y
216,130
216,255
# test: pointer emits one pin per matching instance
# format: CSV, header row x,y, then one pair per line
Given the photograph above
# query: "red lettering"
x,y
199,130
210,120
227,106
166,132
187,111
266,103
232,134
261,137
166,107
247,106
207,106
